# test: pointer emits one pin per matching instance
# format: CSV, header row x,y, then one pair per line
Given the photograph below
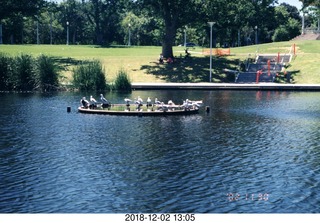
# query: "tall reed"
x,y
47,76
5,72
89,75
122,82
23,78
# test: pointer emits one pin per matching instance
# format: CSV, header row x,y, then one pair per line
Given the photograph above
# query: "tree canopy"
x,y
9,8
151,22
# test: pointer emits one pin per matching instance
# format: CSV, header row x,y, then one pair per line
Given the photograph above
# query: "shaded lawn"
x,y
193,69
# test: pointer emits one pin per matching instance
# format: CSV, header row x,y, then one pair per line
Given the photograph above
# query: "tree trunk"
x,y
168,41
97,20
170,19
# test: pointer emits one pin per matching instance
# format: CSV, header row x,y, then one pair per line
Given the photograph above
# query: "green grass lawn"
x,y
141,62
113,58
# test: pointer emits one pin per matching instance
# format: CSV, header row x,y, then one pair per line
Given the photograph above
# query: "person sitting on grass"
x,y
161,58
187,53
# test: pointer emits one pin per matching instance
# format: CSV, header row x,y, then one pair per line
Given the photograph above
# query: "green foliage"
x,y
23,78
89,75
47,74
151,22
122,82
5,72
280,34
287,31
24,7
289,26
26,73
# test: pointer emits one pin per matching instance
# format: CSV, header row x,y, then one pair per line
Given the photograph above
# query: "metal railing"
x,y
312,31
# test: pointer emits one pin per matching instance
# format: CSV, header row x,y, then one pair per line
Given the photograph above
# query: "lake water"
x,y
254,152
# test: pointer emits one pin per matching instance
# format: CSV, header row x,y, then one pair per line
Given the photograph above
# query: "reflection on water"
x,y
255,152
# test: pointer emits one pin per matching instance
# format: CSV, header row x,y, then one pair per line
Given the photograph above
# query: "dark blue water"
x,y
255,152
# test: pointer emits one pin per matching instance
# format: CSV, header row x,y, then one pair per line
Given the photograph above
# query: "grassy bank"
x,y
141,62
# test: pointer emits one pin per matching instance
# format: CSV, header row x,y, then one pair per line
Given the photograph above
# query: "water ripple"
x,y
54,161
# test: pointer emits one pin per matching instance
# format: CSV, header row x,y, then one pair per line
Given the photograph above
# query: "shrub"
x,y
23,78
89,76
5,72
122,82
47,76
281,34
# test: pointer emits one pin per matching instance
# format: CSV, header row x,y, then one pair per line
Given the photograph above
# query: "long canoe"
x,y
139,113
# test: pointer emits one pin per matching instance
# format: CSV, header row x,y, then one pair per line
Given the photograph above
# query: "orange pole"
x,y
257,76
278,59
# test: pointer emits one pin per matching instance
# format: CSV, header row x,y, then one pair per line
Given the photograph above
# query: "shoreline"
x,y
225,86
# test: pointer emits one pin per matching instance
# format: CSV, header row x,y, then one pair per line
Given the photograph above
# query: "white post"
x,y
211,24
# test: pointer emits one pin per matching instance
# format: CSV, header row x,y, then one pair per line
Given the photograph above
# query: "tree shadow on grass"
x,y
65,63
287,77
193,69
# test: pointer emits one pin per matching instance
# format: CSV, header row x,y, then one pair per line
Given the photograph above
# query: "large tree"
x,y
104,16
9,8
175,14
15,10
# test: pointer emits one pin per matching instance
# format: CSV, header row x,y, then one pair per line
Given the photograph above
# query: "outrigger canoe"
x,y
141,112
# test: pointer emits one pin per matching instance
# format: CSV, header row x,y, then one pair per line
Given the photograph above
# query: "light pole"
x,y
0,33
185,36
256,29
38,40
129,40
302,28
50,28
211,24
67,32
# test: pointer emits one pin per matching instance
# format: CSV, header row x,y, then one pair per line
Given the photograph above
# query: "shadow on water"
x,y
193,69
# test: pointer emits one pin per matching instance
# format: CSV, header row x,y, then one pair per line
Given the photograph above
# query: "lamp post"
x,y
256,29
38,40
211,24
185,36
0,33
129,40
67,32
50,28
302,23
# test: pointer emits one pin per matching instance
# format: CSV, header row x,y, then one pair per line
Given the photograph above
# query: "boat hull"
x,y
137,113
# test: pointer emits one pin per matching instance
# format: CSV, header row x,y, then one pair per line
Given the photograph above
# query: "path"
x,y
225,86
